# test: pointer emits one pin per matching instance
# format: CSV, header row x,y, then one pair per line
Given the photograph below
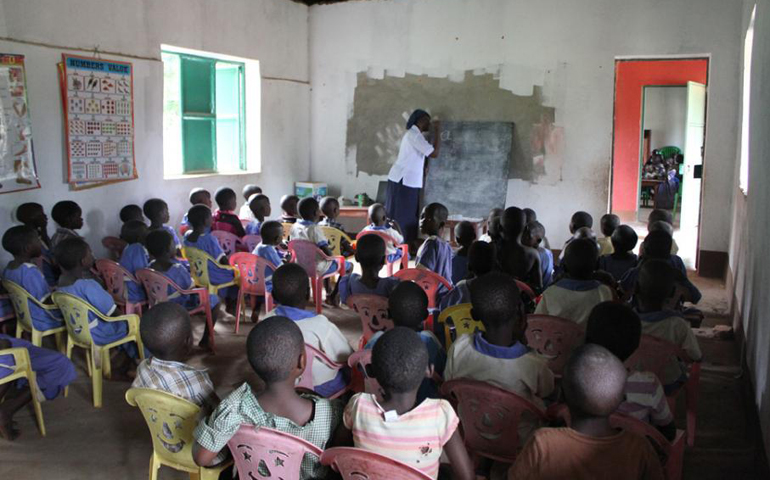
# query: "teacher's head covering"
x,y
415,117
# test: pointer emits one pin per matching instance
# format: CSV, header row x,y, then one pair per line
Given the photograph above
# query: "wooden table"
x,y
354,212
353,218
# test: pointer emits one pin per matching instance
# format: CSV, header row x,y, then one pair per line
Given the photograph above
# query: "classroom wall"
x,y
665,109
563,51
272,31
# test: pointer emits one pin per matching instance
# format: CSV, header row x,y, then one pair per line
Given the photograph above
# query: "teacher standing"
x,y
405,178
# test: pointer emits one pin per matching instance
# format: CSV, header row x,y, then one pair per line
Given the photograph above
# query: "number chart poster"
x,y
99,120
17,161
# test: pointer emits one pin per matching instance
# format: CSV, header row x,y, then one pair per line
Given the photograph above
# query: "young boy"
x,y
259,206
516,259
395,425
465,233
289,208
330,207
24,244
156,210
533,237
225,218
370,254
291,288
577,293
198,196
272,236
131,212
617,328
134,256
609,222
622,259
378,222
69,216
32,215
276,352
660,215
246,213
481,260
493,226
593,384
307,229
579,220
435,254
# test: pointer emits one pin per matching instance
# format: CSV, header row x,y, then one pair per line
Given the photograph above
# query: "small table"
x,y
354,218
652,184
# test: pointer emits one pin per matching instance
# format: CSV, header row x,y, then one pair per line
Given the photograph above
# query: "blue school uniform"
x,y
53,370
180,275
269,253
394,253
459,267
460,294
253,228
171,230
50,273
30,278
628,281
6,308
435,254
327,222
617,267
546,265
209,244
133,258
351,285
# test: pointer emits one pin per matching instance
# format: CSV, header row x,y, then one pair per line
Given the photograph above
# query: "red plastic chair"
x,y
360,464
115,278
227,241
264,453
430,282
490,417
183,229
554,338
526,289
245,222
359,361
250,242
653,355
373,312
115,246
252,275
306,379
307,254
404,260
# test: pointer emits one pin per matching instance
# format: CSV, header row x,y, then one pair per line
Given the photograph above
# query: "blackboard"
x,y
470,175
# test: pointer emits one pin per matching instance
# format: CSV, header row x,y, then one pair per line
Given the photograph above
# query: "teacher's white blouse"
x,y
411,159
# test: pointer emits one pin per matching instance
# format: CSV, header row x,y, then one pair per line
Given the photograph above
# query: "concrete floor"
x,y
113,442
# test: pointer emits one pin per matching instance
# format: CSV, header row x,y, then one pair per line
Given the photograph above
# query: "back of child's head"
x,y
225,198
408,305
65,213
399,361
330,207
660,215
166,331
481,258
160,243
134,231
70,253
250,190
530,214
609,222
154,209
131,212
624,239
370,251
290,285
534,233
259,204
199,215
656,282
16,239
513,222
579,220
31,214
465,233
308,208
496,300
493,221
580,258
662,226
377,214
271,232
616,327
584,233
200,196
594,382
437,211
274,347
657,245
289,204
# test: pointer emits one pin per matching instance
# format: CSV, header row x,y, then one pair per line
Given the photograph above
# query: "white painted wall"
x,y
665,109
567,47
274,32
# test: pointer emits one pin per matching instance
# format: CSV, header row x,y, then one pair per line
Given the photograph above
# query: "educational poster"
x,y
99,120
17,161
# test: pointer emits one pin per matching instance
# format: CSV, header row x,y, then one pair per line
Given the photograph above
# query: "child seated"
x,y
272,236
291,288
660,215
330,207
307,229
24,244
134,256
69,217
493,226
198,196
465,233
370,254
516,259
617,328
609,222
378,222
53,373
131,212
622,259
435,254
579,220
533,237
577,293
481,260
225,218
395,424
593,384
259,206
156,210
289,208
532,218
32,215
246,213
276,351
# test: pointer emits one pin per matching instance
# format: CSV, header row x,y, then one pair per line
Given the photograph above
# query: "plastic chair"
x,y
307,254
360,464
429,281
653,355
227,241
183,229
335,236
245,222
457,321
251,269
306,379
75,311
554,338
250,242
404,260
22,368
287,230
115,246
669,151
490,417
373,312
526,289
360,360
262,453
115,278
20,299
171,421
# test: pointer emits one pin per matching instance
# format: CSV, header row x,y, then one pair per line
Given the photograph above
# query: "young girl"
x,y
156,210
134,256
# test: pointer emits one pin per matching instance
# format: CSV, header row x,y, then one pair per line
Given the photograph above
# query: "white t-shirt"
x,y
411,159
573,299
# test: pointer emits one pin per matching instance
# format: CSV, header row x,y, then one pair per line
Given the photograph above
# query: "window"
x,y
748,46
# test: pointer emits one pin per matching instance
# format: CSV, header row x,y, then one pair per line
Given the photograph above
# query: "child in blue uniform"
x,y
32,215
534,236
131,212
134,256
248,191
272,236
69,216
435,254
378,222
160,244
198,196
260,209
622,259
370,254
465,233
156,210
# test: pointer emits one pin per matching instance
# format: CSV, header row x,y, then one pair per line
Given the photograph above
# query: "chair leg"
x,y
106,366
318,295
210,323
96,382
89,363
36,403
153,468
390,269
37,338
60,341
238,307
19,330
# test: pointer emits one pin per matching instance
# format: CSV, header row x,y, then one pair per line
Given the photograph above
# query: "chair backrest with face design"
x,y
554,338
429,281
373,312
264,453
457,321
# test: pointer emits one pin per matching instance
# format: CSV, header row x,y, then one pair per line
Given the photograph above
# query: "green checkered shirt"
x,y
241,406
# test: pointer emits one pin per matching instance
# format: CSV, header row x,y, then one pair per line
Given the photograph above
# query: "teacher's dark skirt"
x,y
403,205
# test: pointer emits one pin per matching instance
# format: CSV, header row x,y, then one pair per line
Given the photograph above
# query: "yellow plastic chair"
x,y
23,369
335,236
457,321
171,421
75,311
20,299
287,230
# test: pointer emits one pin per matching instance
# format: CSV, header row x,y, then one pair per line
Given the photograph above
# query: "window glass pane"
x,y
229,121
172,114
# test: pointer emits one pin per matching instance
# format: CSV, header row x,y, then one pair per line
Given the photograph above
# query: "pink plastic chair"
x,y
264,453
490,417
360,464
115,246
653,355
307,254
183,229
430,282
306,380
115,278
250,242
252,275
360,360
227,241
245,222
373,312
404,260
554,338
